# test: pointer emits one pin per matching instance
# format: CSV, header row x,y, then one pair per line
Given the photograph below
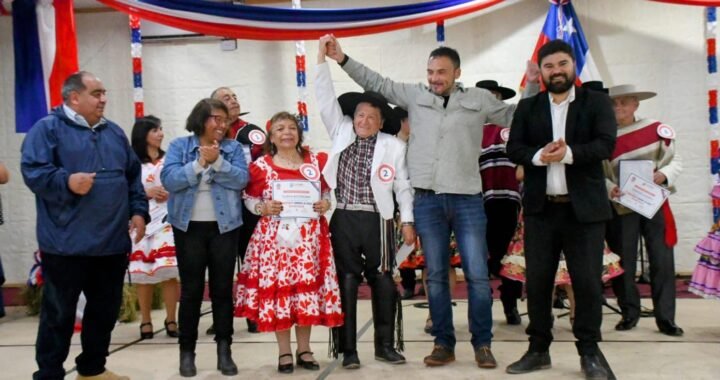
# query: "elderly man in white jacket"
x,y
365,167
652,142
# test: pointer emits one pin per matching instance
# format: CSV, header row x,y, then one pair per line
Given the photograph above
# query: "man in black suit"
x,y
561,136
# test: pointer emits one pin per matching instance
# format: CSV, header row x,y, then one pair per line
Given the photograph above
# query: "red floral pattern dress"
x,y
281,286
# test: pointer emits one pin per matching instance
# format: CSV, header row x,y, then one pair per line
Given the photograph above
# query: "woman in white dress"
x,y
153,259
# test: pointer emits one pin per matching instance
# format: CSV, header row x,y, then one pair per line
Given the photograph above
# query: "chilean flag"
x,y
45,54
563,23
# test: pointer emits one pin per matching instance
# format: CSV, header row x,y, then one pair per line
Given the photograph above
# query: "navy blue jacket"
x,y
94,224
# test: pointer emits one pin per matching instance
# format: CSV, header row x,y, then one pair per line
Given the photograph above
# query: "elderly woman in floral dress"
x,y
288,277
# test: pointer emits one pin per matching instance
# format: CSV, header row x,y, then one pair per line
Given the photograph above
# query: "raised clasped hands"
x,y
209,154
554,151
330,47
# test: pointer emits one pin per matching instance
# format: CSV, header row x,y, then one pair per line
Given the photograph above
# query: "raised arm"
x,y
397,93
330,110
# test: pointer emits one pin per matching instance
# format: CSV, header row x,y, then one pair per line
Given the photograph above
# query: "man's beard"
x,y
559,88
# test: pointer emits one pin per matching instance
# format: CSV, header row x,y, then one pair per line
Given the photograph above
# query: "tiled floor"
x,y
642,353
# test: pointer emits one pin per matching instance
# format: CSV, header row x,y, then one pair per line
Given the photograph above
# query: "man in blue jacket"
x,y
87,186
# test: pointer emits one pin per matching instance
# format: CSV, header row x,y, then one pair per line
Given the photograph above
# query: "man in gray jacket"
x,y
442,157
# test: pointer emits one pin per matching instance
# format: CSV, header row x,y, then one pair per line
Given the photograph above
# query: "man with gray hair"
x,y
87,184
643,139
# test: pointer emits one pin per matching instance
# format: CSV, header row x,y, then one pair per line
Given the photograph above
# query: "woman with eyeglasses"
x,y
288,277
204,174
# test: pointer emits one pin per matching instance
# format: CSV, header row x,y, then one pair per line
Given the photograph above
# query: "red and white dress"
x,y
153,258
287,279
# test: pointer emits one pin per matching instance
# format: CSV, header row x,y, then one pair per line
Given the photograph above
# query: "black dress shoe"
x,y
591,367
311,365
531,361
626,324
252,326
512,316
187,364
670,328
287,367
351,360
389,355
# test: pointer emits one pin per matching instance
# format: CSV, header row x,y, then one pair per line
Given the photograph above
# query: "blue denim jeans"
x,y
436,215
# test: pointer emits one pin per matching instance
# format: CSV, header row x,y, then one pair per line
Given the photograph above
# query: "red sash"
x,y
636,140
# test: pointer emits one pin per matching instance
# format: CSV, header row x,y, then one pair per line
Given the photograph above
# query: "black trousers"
x,y
204,247
623,236
555,230
355,237
357,244
101,279
502,218
408,278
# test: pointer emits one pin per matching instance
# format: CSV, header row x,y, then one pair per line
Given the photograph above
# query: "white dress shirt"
x,y
556,182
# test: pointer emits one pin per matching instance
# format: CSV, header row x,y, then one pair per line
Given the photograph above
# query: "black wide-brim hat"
x,y
491,85
595,85
349,101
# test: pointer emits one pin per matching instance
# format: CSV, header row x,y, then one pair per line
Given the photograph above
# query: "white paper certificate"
x,y
642,196
641,168
297,197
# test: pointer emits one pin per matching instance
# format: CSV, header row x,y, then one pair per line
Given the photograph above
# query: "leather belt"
x,y
558,198
355,207
423,191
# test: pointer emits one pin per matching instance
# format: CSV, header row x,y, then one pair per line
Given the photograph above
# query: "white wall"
x,y
656,46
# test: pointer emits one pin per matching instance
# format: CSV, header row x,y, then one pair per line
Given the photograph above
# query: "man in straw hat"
x,y
366,168
650,140
501,193
561,136
442,156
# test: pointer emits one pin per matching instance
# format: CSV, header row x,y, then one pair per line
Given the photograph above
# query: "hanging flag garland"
x,y
712,82
440,32
301,78
266,23
136,53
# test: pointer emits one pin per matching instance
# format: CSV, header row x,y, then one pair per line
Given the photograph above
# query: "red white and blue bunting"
x,y
265,23
301,78
712,83
136,53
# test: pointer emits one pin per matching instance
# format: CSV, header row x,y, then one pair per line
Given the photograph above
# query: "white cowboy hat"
x,y
630,90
